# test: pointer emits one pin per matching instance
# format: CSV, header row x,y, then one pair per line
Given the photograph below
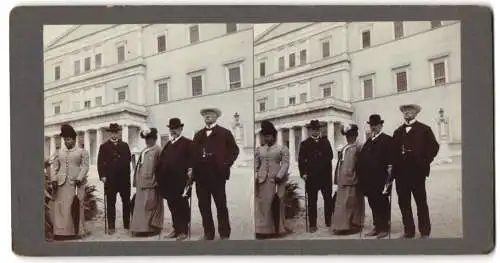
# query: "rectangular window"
x,y
439,73
262,106
281,64
292,100
327,92
366,38
368,88
303,57
262,69
230,28
291,60
194,34
398,29
326,48
303,97
234,77
98,100
120,53
435,24
197,86
98,60
161,43
401,81
86,104
122,95
87,64
57,72
57,109
77,67
162,91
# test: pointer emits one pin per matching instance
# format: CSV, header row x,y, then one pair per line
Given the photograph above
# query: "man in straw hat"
x,y
374,166
69,170
113,166
215,151
315,167
175,172
416,147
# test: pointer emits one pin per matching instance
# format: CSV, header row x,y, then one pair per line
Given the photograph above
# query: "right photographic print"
x,y
358,130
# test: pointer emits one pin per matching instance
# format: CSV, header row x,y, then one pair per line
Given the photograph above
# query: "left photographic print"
x,y
145,125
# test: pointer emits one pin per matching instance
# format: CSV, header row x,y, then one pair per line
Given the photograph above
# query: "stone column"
x,y
257,140
86,140
292,145
52,145
98,142
331,137
304,133
279,138
125,133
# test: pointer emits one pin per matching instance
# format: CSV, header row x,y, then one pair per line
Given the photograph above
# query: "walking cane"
x,y
307,208
390,208
105,215
189,221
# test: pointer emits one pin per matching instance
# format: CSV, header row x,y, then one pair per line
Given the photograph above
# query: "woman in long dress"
x,y
271,166
147,216
349,205
69,168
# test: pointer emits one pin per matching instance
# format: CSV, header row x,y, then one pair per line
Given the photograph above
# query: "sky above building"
x,y
51,32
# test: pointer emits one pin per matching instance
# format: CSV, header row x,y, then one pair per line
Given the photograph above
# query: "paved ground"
x,y
444,198
444,190
239,191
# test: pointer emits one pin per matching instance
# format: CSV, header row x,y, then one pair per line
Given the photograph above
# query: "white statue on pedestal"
x,y
443,138
239,137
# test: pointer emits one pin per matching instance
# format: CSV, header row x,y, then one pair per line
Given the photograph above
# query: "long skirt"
x,y
349,208
62,217
264,218
148,211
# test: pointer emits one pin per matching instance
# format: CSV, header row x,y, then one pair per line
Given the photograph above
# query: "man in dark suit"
x,y
416,148
174,173
374,166
315,167
113,166
215,151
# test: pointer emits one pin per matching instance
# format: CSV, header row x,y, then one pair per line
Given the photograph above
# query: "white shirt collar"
x,y
376,135
411,122
315,138
173,140
211,126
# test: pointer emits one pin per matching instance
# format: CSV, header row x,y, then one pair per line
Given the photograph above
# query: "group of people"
x,y
363,170
159,173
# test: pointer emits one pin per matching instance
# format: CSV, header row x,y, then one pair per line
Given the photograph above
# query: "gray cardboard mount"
x,y
27,126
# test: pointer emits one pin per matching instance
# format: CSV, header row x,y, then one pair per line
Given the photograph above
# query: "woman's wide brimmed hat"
x,y
212,109
349,129
67,131
410,106
114,127
149,133
267,128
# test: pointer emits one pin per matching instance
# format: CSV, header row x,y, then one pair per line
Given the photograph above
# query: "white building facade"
x,y
345,71
143,75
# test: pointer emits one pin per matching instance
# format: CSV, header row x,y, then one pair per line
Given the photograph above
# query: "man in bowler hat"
x,y
315,167
374,166
215,151
416,148
113,166
175,172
